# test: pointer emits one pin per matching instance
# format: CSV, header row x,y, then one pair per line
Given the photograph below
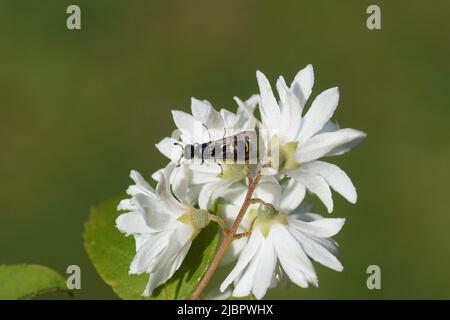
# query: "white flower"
x,y
303,140
206,181
283,236
162,226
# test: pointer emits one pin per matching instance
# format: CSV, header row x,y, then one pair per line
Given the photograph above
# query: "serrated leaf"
x,y
111,253
21,281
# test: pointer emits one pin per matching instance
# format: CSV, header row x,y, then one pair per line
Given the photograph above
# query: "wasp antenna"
x,y
182,152
209,133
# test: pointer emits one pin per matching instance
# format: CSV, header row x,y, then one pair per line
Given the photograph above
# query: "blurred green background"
x,y
79,109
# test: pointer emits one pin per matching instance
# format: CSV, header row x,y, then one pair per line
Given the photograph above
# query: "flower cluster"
x,y
268,229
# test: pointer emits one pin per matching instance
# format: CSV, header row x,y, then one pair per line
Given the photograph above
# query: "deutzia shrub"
x,y
267,232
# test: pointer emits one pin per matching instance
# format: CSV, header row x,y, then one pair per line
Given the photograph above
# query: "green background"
x,y
79,109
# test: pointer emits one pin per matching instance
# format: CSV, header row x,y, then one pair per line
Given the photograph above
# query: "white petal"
x,y
211,191
132,222
167,265
192,129
233,251
141,239
246,256
319,113
290,118
140,186
154,212
245,112
270,112
252,102
268,171
204,111
127,205
318,252
249,105
168,147
323,228
265,268
282,88
235,195
158,174
293,195
291,256
315,184
269,190
165,194
330,126
200,109
147,255
230,119
329,144
205,173
244,285
335,177
303,83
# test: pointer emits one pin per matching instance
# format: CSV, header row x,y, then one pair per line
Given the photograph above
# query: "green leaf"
x,y
111,253
242,298
21,281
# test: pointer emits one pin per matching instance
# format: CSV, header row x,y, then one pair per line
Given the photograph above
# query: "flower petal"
x,y
211,191
335,177
303,83
319,113
323,228
329,144
205,113
244,285
167,264
147,255
270,112
168,148
192,129
132,222
315,184
269,190
165,194
290,118
317,252
293,195
154,212
141,186
246,256
264,269
291,256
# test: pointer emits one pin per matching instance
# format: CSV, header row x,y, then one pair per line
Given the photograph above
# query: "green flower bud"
x,y
267,216
197,218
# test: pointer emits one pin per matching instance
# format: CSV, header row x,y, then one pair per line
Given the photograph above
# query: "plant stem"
x,y
220,222
228,236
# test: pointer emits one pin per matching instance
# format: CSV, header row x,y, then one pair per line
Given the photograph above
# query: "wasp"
x,y
238,148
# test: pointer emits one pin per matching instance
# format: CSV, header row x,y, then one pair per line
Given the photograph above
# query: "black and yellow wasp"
x,y
238,148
